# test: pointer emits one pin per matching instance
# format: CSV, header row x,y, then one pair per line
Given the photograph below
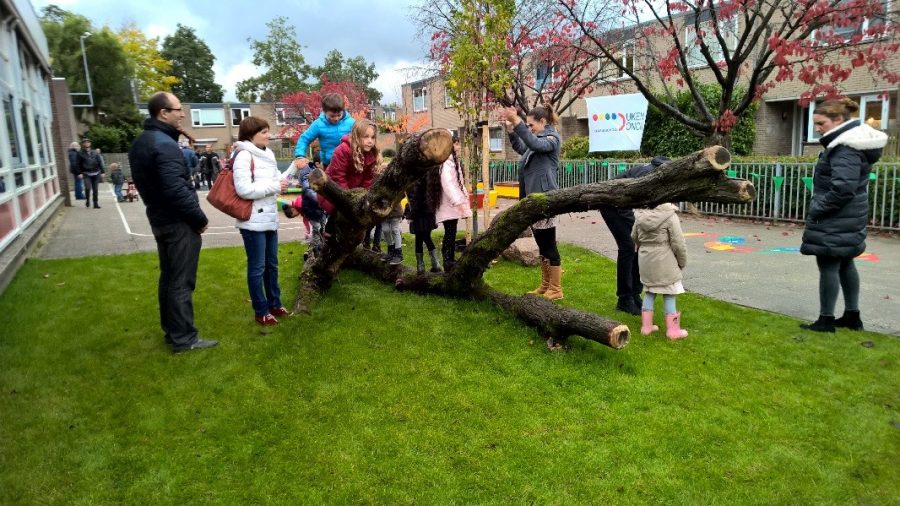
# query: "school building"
x,y
29,187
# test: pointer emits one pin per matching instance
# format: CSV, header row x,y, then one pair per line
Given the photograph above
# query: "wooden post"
x,y
485,174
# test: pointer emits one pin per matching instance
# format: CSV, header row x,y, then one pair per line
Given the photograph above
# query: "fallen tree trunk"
x,y
698,178
358,210
551,320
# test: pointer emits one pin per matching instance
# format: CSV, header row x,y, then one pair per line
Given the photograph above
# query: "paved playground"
x,y
754,265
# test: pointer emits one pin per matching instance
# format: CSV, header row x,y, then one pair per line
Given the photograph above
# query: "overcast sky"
x,y
379,30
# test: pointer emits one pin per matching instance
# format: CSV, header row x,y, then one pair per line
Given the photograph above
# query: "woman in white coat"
x,y
454,203
256,178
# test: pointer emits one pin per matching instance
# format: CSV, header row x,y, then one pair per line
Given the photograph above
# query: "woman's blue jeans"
x,y
262,269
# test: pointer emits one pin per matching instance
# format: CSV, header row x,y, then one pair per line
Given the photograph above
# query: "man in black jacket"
x,y
164,183
73,169
620,222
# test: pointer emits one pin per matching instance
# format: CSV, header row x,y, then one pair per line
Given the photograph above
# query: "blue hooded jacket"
x,y
329,135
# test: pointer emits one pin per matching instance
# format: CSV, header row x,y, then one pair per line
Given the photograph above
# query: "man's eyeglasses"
x,y
171,109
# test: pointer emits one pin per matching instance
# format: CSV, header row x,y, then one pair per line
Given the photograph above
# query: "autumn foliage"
x,y
303,107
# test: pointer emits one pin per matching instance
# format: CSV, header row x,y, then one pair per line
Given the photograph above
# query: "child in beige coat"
x,y
661,256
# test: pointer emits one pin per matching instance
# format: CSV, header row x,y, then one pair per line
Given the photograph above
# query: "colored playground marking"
x,y
868,257
730,244
726,246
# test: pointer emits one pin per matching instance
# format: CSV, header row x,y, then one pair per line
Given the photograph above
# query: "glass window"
x,y
237,115
20,179
29,147
34,175
847,31
12,131
544,74
42,141
728,28
419,96
207,117
496,139
448,102
279,116
3,187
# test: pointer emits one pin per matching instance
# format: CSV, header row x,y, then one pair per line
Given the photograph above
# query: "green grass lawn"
x,y
385,397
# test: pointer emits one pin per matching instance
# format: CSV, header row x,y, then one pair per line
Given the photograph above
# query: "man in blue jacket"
x,y
332,124
164,182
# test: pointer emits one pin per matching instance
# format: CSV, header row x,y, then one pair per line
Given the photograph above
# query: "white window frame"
x,y
420,93
627,50
198,121
694,57
496,143
861,29
552,68
243,112
279,116
448,101
813,136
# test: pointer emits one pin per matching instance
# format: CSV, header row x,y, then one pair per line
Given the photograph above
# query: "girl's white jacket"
x,y
262,189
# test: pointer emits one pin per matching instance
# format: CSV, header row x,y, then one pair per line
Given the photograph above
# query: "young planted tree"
x,y
545,52
475,68
739,45
192,63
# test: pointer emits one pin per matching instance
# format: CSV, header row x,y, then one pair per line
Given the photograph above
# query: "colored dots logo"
x,y
595,118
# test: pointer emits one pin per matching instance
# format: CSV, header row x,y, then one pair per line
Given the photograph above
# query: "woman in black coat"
x,y
836,222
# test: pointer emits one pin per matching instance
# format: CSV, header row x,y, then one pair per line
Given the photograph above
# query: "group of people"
x,y
653,235
88,166
204,165
835,231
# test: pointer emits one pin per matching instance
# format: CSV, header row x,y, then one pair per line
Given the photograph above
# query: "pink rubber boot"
x,y
673,327
647,325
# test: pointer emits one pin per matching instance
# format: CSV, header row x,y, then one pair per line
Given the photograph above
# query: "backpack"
x,y
224,197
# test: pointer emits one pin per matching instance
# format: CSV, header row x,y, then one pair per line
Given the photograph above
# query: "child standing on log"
x,y
662,256
424,199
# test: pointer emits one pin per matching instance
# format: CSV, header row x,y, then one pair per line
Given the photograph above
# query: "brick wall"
x,y
63,130
774,128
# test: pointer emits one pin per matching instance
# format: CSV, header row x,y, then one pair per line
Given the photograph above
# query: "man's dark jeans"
x,y
92,184
179,253
628,276
262,270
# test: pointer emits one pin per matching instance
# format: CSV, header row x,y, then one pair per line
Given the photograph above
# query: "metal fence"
x,y
783,190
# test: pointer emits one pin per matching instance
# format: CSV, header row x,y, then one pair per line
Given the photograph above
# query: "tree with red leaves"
x,y
546,52
303,107
739,44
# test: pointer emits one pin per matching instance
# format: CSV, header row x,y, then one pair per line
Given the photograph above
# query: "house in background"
x,y
783,125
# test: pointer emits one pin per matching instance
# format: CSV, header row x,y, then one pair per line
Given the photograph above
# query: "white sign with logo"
x,y
616,122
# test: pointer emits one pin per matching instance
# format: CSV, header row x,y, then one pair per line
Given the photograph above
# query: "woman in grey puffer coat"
x,y
537,140
836,223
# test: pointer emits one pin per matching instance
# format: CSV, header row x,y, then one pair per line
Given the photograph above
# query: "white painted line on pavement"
x,y
232,230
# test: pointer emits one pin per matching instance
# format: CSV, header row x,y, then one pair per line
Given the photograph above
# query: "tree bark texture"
x,y
699,177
